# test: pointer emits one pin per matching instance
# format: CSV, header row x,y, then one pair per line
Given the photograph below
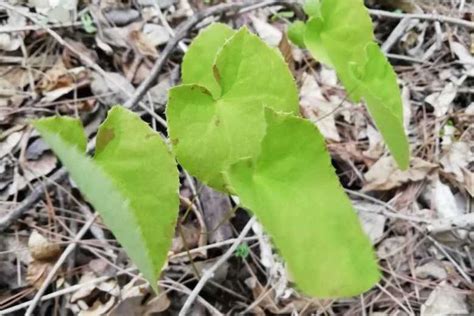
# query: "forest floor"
x,y
52,59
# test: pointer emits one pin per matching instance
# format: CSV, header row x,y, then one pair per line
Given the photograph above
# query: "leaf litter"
x,y
434,63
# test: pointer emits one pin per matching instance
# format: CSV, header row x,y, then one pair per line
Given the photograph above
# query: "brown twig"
x,y
58,264
423,16
35,195
208,274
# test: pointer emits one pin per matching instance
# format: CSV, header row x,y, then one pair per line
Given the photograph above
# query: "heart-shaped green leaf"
x,y
292,188
211,132
199,59
132,182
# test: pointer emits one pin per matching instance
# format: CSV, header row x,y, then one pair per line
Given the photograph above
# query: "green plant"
x,y
339,33
242,251
88,23
234,124
132,181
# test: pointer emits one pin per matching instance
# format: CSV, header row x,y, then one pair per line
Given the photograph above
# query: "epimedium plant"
x,y
234,125
339,34
132,181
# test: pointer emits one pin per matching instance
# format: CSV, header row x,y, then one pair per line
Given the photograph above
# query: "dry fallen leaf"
x,y
384,174
33,169
56,11
131,301
443,200
442,101
191,233
142,44
99,308
433,269
158,304
267,300
391,246
155,34
85,290
59,81
469,181
457,157
12,41
376,144
464,56
372,223
43,253
316,108
37,272
9,143
109,90
445,300
41,248
270,34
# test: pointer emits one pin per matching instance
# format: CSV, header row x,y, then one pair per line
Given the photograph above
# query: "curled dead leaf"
x,y
316,108
457,158
41,248
384,174
33,169
445,300
442,101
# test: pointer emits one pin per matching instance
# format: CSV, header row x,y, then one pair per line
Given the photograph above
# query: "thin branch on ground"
x,y
67,290
454,262
35,195
208,274
465,221
16,29
423,16
58,264
182,288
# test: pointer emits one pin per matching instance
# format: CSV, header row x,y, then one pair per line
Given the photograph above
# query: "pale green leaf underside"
x,y
200,57
132,183
293,190
378,84
209,133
